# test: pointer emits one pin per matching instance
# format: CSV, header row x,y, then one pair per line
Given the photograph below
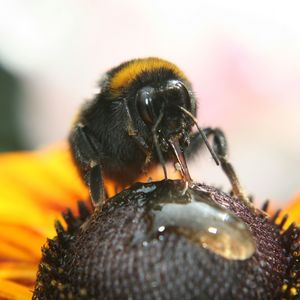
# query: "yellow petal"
x,y
13,291
293,210
35,187
21,239
19,272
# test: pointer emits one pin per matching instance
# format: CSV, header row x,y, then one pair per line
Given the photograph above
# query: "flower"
x,y
35,187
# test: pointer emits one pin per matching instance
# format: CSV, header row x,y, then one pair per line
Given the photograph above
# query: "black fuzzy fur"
x,y
119,154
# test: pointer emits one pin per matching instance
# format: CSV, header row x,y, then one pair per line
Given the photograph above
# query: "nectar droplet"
x,y
196,216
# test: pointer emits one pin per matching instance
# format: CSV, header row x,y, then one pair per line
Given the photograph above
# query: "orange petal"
x,y
35,187
293,210
19,272
14,291
20,239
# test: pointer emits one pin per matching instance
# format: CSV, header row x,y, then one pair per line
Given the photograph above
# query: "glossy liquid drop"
x,y
197,217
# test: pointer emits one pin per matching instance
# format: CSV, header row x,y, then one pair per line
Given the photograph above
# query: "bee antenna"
x,y
159,153
202,133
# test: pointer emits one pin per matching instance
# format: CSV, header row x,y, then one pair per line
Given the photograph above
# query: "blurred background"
x,y
243,59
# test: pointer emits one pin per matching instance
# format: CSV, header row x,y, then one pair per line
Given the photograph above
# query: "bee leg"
x,y
86,154
156,144
141,143
196,141
95,183
221,149
132,132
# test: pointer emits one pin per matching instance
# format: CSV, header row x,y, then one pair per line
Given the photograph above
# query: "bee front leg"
x,y
196,141
133,132
221,149
84,147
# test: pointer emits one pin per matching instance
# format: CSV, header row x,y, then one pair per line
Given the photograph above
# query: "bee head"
x,y
159,106
154,90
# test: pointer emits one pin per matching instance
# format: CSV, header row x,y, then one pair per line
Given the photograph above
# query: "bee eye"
x,y
177,94
145,105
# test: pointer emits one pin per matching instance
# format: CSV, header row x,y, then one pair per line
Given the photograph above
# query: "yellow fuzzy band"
x,y
128,73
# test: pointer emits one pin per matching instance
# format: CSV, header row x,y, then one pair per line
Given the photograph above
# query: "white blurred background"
x,y
243,59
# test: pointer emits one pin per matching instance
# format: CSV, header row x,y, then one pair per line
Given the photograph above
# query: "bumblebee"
x,y
142,117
